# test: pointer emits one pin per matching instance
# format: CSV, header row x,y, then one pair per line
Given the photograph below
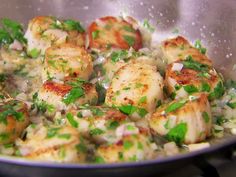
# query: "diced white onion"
x,y
177,67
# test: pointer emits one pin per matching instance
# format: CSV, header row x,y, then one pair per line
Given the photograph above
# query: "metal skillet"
x,y
212,21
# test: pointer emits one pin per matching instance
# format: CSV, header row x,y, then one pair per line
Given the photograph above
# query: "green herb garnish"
x,y
71,120
177,134
95,34
148,26
73,95
175,106
73,25
96,131
127,144
199,46
205,117
190,63
129,39
190,89
118,55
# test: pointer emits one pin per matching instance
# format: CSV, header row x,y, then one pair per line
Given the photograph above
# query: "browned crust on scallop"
x,y
115,32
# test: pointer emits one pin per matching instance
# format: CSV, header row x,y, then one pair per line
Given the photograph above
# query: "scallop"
x,y
179,49
65,62
185,77
113,32
183,121
45,31
52,144
14,118
131,148
61,95
101,124
135,89
10,60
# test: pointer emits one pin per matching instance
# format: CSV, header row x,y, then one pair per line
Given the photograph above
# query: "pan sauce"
x,y
54,106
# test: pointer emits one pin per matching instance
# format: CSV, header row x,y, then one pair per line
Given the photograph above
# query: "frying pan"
x,y
212,21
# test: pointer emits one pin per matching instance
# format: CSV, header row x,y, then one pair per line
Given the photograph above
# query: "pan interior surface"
x,y
214,23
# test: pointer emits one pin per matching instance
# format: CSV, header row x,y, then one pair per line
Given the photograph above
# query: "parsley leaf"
x,y
147,25
118,55
73,95
129,39
96,131
71,120
175,106
199,46
205,117
177,134
73,25
190,89
95,34
218,91
192,64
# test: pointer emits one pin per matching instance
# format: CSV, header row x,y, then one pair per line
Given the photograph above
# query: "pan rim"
x,y
229,141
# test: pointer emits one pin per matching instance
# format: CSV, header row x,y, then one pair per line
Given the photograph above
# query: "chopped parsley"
x,y
129,39
42,106
34,53
205,117
190,63
127,144
118,55
113,125
52,132
205,87
73,95
199,46
95,34
73,25
11,30
158,103
2,77
96,131
64,136
130,109
148,26
99,159
218,91
175,106
231,105
143,99
9,109
177,134
190,89
71,120
128,29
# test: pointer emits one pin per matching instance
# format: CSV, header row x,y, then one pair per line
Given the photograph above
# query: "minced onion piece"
x,y
177,67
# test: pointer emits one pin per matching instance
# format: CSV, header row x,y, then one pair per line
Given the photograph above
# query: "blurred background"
x,y
212,21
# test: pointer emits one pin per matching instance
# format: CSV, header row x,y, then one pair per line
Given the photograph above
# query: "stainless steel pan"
x,y
212,21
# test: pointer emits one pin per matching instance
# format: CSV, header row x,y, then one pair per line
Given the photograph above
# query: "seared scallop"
x,y
129,149
135,89
10,60
113,32
14,119
51,143
186,120
119,58
179,49
185,77
44,31
62,95
101,124
65,62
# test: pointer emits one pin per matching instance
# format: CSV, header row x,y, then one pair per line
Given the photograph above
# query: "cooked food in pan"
x,y
107,94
